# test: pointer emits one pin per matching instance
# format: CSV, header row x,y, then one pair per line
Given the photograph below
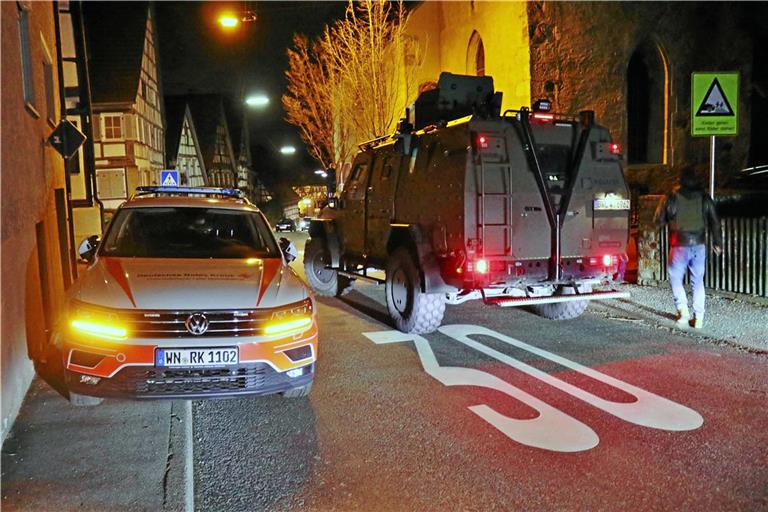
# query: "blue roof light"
x,y
226,192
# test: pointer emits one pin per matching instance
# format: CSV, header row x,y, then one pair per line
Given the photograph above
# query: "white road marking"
x,y
189,468
551,430
649,410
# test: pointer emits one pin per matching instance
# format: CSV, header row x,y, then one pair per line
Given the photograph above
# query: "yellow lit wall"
x,y
443,30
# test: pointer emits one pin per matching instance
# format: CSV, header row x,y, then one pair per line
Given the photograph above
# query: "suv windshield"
x,y
169,232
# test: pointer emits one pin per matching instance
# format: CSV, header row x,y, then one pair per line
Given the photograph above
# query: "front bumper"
x,y
146,382
127,368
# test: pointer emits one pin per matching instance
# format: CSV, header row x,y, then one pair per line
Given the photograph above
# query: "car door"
x,y
380,203
353,225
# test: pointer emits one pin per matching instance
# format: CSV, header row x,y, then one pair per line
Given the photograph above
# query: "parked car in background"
x,y
189,295
304,223
285,224
745,194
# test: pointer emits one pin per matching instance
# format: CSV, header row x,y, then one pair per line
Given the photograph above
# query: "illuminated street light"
x,y
228,21
287,150
257,100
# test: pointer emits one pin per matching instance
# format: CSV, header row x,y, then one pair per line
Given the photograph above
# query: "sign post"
x,y
714,110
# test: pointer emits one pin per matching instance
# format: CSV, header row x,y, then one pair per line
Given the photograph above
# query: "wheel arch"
x,y
411,237
326,230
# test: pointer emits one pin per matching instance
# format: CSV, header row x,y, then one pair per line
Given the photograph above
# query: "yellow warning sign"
x,y
714,103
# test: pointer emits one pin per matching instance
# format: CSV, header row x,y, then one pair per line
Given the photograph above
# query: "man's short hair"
x,y
689,179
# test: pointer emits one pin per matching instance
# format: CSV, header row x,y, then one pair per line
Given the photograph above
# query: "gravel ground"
x,y
730,318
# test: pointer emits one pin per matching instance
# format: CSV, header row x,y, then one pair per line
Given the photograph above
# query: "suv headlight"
x,y
96,321
293,317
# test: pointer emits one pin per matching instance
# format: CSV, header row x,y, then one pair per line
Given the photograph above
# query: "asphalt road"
x,y
379,432
500,410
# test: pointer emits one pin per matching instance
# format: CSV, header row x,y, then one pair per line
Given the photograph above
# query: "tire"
x,y
562,310
79,400
324,282
412,310
299,392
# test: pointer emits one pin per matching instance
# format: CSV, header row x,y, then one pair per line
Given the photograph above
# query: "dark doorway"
x,y
646,104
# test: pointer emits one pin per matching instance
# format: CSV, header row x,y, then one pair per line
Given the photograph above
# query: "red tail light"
x,y
481,266
482,142
615,148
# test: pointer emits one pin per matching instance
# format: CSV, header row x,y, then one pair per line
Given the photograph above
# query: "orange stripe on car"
x,y
115,269
270,268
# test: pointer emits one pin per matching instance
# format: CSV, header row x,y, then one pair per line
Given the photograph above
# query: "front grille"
x,y
161,382
171,324
148,382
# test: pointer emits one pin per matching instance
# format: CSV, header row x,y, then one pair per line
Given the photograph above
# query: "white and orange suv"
x,y
189,295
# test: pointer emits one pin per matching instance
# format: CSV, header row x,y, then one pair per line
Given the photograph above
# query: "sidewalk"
x,y
731,319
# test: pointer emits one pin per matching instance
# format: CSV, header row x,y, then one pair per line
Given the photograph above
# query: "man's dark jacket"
x,y
687,226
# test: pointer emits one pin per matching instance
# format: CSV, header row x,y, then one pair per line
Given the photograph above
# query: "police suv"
x,y
188,295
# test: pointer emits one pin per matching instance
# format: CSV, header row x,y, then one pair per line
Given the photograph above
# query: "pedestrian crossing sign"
x,y
169,178
714,104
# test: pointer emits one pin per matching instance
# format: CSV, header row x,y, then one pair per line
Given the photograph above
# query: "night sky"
x,y
199,56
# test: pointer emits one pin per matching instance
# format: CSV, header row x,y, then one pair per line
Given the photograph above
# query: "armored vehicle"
x,y
464,202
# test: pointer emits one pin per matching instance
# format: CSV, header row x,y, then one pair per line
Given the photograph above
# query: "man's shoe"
x,y
683,316
698,322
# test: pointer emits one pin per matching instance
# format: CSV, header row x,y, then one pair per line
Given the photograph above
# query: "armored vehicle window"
x,y
357,172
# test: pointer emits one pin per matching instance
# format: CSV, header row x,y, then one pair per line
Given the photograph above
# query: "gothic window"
x,y
476,55
647,106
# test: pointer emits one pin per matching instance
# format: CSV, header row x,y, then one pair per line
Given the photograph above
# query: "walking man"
x,y
689,212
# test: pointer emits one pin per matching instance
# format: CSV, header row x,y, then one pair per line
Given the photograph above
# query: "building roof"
x,y
207,112
115,32
175,109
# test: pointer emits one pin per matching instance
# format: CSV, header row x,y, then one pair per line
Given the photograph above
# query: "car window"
x,y
188,233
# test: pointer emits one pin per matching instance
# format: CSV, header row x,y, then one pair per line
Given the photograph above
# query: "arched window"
x,y
476,55
647,96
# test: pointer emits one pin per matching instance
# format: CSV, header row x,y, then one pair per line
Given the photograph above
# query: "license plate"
x,y
192,357
611,203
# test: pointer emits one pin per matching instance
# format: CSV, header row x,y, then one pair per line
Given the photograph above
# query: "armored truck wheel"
x,y
324,281
562,310
412,310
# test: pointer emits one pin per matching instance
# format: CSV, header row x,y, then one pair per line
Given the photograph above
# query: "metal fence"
x,y
743,265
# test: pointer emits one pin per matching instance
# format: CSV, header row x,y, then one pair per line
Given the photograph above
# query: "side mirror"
x,y
87,248
289,250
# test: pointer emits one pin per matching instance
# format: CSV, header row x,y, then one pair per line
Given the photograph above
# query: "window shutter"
x,y
96,126
130,126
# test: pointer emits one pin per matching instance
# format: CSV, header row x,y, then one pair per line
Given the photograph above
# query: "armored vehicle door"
x,y
353,224
381,202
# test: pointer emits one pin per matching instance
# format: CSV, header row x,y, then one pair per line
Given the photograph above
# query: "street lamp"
x,y
287,150
229,20
257,100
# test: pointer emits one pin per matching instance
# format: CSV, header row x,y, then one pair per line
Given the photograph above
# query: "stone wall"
x,y
580,52
33,278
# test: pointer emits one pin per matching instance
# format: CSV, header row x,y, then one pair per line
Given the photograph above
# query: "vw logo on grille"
x,y
196,324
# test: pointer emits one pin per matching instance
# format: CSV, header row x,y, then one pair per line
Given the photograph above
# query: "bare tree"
x,y
308,100
355,78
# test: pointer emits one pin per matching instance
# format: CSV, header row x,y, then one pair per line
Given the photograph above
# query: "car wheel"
x,y
298,392
79,400
412,310
562,310
323,280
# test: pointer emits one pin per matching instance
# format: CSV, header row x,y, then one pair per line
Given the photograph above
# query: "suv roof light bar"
x,y
209,191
